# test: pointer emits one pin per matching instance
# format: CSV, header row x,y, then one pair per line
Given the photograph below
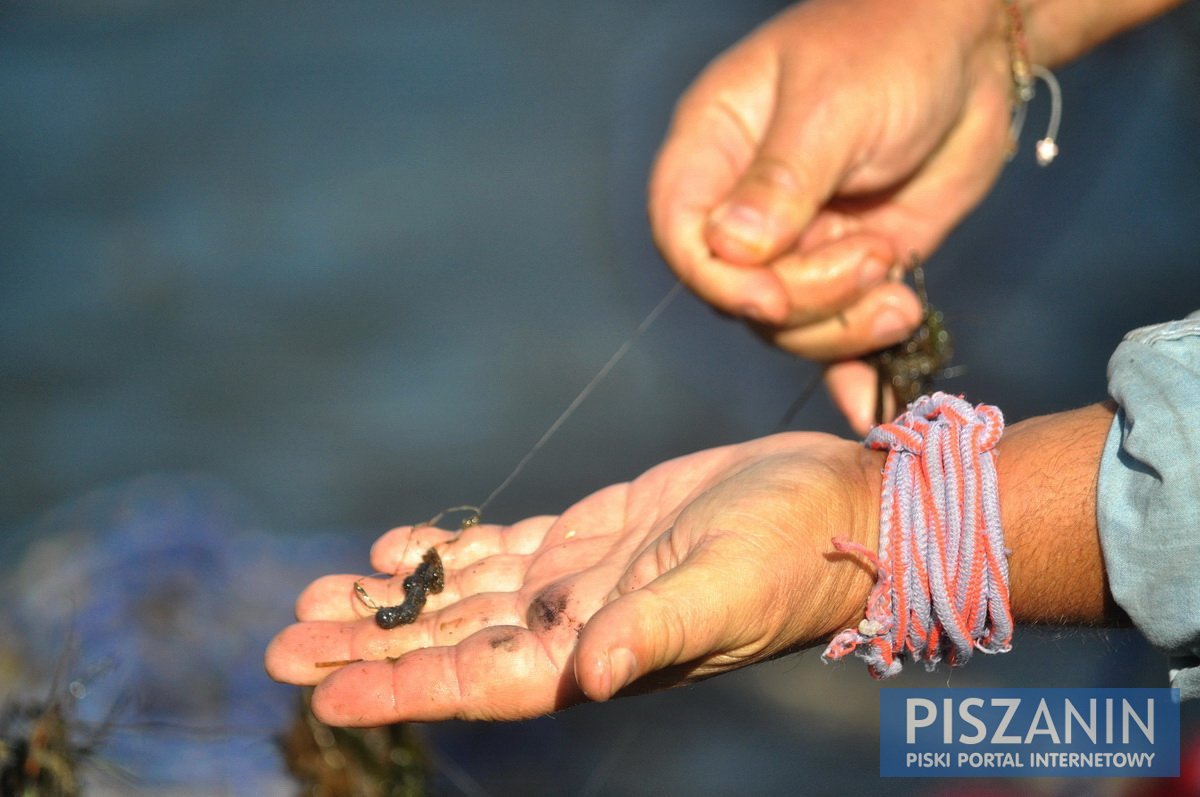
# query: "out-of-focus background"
x,y
275,277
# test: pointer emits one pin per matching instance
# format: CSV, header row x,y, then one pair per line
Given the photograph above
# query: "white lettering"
x,y
1118,760
926,760
991,760
964,711
1089,727
912,722
1043,714
1013,703
1108,721
1147,726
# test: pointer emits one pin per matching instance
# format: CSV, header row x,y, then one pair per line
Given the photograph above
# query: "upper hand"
x,y
836,141
701,565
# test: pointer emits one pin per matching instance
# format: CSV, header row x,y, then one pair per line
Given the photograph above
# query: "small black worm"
x,y
429,577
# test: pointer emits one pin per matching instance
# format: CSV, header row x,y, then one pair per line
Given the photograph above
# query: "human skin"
x,y
721,559
702,565
840,138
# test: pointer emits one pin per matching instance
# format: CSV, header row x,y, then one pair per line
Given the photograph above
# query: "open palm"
x,y
701,565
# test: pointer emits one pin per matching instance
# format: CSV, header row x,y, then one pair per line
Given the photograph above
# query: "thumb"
x,y
679,617
800,163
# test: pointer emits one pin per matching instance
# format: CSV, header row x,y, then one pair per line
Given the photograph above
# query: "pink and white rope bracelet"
x,y
941,587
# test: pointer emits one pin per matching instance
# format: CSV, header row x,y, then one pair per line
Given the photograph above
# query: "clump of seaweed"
x,y
43,744
903,371
353,762
909,368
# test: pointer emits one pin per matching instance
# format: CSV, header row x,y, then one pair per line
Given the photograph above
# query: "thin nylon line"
x,y
814,382
1055,100
587,391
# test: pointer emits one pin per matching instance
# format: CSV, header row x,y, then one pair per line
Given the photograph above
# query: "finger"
x,y
706,247
679,617
886,315
501,573
335,597
326,598
830,278
516,674
499,673
589,560
402,548
710,142
306,652
854,385
807,148
755,294
332,598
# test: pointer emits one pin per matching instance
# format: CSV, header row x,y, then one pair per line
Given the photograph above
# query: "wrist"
x,y
1047,469
942,586
1061,30
854,578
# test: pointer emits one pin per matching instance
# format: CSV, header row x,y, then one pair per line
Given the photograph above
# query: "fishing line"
x,y
793,410
616,357
428,577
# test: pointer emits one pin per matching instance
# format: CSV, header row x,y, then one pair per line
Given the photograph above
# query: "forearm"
x,y
1061,30
1048,468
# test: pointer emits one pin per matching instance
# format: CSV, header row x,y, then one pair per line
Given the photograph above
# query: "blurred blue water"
x,y
349,261
158,597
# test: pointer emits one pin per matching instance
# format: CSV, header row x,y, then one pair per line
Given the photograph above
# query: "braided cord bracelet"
x,y
941,588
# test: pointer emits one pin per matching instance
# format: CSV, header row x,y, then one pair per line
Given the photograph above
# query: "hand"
x,y
831,144
702,565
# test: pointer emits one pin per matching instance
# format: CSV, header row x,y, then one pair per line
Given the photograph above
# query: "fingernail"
x,y
889,325
872,272
744,224
622,666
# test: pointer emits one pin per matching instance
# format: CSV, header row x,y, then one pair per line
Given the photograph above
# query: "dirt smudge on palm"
x,y
510,641
548,609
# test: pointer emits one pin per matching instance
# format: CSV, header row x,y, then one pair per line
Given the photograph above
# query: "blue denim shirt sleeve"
x,y
1148,505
